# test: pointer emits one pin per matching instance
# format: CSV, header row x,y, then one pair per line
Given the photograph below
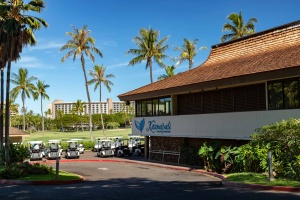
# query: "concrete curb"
x,y
223,180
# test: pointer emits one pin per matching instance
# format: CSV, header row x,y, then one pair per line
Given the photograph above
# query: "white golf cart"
x,y
80,145
136,145
105,149
72,149
36,150
97,145
54,149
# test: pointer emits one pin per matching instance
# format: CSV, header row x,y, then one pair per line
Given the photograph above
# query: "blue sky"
x,y
114,23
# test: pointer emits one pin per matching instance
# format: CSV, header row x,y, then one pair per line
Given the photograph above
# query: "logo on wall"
x,y
140,125
155,127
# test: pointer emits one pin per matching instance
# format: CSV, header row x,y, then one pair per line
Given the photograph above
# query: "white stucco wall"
x,y
238,125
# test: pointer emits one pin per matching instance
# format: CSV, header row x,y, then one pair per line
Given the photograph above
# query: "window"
x,y
153,107
284,94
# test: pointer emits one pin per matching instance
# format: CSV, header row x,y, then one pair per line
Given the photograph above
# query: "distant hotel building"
x,y
106,107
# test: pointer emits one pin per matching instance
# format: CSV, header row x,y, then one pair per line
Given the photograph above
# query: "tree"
x,y
79,109
169,72
59,116
24,86
82,44
188,52
238,28
149,49
100,77
41,91
17,30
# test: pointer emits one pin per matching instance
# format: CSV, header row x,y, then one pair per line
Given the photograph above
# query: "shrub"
x,y
17,153
18,170
283,139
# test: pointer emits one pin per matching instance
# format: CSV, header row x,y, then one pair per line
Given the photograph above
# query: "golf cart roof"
x,y
35,142
54,141
70,141
105,140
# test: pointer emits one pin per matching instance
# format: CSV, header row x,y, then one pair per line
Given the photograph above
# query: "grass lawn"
x,y
62,176
64,136
261,179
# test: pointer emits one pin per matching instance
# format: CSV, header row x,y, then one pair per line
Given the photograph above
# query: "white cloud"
x,y
32,62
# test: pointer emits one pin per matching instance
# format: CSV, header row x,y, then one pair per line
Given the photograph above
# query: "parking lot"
x,y
133,178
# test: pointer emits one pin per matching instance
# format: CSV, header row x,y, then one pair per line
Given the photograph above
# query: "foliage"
x,y
208,154
112,125
237,27
283,139
251,158
23,169
17,153
150,49
226,156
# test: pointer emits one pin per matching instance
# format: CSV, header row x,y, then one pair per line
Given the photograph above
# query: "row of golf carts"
x,y
117,146
53,150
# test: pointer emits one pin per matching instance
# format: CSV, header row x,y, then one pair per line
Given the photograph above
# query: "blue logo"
x,y
140,125
155,127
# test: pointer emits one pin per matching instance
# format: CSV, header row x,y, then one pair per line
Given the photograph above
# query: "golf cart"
x,y
97,145
80,145
136,145
72,149
54,149
36,149
105,149
121,148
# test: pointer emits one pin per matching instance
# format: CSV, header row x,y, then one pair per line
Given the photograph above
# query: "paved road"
x,y
119,180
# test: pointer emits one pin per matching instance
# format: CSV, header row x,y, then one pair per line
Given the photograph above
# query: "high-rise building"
x,y
108,107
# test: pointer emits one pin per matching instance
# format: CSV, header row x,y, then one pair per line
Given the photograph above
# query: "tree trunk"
x,y
24,111
43,126
7,158
150,65
1,110
101,113
89,99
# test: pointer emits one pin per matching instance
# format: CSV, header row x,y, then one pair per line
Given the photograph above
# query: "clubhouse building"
x,y
243,85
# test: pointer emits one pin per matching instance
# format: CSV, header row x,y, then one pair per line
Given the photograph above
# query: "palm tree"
x,y
24,86
238,28
41,91
169,72
188,52
100,77
79,109
59,115
17,30
149,49
82,44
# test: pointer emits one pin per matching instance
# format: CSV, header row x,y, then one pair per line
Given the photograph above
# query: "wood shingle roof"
x,y
261,56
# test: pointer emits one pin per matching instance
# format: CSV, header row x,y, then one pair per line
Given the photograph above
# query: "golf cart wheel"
x,y
101,155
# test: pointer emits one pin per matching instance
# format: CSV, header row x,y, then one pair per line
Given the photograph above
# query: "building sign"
x,y
153,126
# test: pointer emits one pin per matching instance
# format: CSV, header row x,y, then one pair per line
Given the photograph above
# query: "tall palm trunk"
x,y
42,115
150,65
88,96
24,111
1,111
7,157
101,113
190,64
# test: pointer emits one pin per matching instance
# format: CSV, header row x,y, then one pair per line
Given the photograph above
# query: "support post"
x,y
57,167
146,147
271,177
